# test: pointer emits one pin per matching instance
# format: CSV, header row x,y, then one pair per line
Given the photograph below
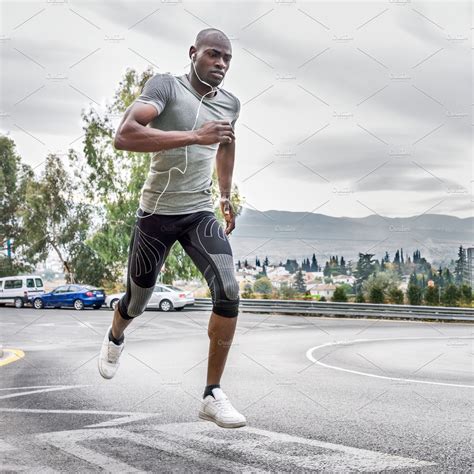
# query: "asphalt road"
x,y
320,395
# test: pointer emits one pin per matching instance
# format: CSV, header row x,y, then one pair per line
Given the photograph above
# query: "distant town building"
x,y
349,279
322,289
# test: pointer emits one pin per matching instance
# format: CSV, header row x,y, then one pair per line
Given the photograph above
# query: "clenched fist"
x,y
216,131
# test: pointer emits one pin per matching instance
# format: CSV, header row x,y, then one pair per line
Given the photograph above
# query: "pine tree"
x,y
343,268
299,282
365,267
460,266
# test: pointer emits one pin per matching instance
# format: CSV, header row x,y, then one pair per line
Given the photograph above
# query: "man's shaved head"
x,y
210,34
210,57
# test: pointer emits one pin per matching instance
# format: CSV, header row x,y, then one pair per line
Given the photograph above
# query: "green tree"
x,y
380,283
339,294
376,295
14,176
396,296
466,294
431,296
414,294
263,286
365,267
52,217
450,295
360,298
299,283
287,291
460,269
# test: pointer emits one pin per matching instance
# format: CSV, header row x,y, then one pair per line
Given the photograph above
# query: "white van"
x,y
18,289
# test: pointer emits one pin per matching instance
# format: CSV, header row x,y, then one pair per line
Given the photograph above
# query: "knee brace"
x,y
134,301
224,286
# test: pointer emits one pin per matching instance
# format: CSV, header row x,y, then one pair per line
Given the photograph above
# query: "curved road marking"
x,y
309,355
52,389
14,354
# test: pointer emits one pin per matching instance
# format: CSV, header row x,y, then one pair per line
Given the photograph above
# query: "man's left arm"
x,y
225,166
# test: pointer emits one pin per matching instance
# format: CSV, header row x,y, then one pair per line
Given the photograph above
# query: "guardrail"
x,y
349,310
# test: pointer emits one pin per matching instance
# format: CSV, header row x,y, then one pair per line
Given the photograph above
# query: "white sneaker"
x,y
219,410
108,361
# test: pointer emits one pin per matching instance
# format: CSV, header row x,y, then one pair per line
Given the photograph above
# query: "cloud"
x,y
341,112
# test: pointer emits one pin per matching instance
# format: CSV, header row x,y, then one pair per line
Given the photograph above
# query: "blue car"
x,y
77,296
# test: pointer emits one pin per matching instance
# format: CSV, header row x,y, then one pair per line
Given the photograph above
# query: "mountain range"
x,y
280,235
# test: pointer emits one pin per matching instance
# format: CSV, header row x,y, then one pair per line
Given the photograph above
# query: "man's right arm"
x,y
134,135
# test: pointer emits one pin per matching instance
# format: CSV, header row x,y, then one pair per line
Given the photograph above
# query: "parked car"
x,y
77,296
164,298
19,289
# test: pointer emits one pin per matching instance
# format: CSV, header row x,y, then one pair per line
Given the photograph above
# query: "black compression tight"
x,y
203,239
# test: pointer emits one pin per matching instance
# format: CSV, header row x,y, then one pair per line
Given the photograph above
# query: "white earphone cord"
x,y
213,89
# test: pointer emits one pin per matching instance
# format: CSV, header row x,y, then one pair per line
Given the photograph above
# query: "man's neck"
x,y
198,85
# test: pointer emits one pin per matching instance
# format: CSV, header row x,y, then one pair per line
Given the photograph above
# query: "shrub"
x,y
376,295
396,296
339,294
414,294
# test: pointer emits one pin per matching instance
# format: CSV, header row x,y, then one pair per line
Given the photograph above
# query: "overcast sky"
x,y
348,108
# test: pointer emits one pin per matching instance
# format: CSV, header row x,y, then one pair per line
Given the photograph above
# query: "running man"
x,y
184,120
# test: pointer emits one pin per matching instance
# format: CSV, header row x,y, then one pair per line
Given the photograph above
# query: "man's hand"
x,y
228,212
216,131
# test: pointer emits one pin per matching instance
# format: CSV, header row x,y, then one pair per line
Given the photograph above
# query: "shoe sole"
x,y
102,373
207,417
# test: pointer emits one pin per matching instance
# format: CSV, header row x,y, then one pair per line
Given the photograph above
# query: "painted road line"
x,y
124,416
240,450
11,355
29,387
283,449
43,390
309,355
69,441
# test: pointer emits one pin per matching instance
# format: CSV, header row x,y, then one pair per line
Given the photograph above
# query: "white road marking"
x,y
30,386
267,451
124,417
4,446
68,441
309,355
52,389
129,418
77,412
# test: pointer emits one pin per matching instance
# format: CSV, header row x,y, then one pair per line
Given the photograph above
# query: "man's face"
x,y
212,59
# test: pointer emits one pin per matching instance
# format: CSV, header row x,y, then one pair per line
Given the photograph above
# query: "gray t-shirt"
x,y
189,186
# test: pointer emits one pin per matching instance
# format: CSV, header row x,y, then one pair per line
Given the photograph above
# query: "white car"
x,y
164,298
20,289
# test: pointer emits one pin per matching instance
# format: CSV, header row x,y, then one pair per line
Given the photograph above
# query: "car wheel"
x,y
114,303
78,304
19,303
97,306
38,303
166,305
179,309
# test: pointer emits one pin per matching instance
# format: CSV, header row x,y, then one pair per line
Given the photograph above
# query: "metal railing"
x,y
358,310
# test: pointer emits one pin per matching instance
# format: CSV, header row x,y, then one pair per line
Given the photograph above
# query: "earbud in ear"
x,y
193,57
